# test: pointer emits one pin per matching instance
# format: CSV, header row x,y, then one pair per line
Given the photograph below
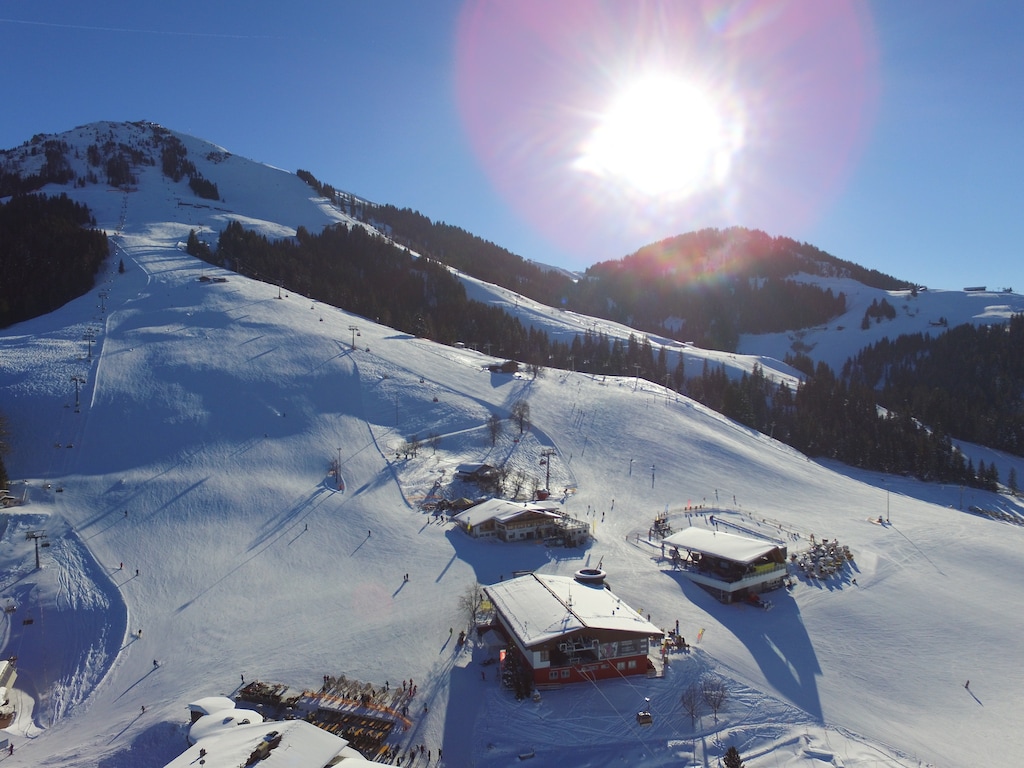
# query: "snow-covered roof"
x,y
500,509
222,720
539,608
470,469
210,704
301,744
739,549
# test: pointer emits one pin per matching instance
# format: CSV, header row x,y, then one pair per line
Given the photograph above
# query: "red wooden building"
x,y
566,630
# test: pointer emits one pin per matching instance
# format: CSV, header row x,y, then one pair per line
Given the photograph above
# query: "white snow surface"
x,y
188,496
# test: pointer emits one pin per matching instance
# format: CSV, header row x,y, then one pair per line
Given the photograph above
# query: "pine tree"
x,y
732,759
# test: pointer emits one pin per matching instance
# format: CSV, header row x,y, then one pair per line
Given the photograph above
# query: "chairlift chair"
x,y
644,717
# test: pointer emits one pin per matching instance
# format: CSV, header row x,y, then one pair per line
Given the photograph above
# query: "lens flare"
x,y
607,126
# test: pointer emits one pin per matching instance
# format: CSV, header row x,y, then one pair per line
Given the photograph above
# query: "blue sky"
x,y
884,133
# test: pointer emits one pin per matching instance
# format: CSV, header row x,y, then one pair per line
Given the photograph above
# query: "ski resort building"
x,y
476,473
224,737
566,630
729,566
8,675
519,521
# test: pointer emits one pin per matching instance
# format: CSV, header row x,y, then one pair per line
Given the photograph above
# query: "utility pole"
x,y
337,469
547,453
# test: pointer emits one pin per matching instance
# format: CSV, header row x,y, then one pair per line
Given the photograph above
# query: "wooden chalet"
x,y
564,630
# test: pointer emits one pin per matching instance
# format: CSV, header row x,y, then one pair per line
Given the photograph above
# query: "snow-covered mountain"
x,y
172,439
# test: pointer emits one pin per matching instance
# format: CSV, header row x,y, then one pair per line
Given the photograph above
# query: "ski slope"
x,y
188,495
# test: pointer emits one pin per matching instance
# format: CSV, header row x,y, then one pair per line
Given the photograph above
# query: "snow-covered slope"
x,y
188,496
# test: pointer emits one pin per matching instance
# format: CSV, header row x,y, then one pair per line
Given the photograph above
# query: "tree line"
x,y
49,254
827,416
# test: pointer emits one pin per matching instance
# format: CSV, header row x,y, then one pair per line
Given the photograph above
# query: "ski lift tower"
x,y
547,453
36,536
78,380
355,330
89,336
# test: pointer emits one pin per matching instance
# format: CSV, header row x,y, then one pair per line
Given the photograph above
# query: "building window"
x,y
565,674
545,655
621,666
552,675
632,663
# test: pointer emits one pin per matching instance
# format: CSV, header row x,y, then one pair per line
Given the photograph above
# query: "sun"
x,y
663,136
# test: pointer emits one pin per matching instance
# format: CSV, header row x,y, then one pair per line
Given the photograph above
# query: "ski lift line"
x,y
614,708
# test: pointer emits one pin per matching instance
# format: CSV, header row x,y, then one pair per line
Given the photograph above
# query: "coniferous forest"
x,y
707,287
968,381
48,255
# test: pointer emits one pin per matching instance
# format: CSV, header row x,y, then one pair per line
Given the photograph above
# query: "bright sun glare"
x,y
664,137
